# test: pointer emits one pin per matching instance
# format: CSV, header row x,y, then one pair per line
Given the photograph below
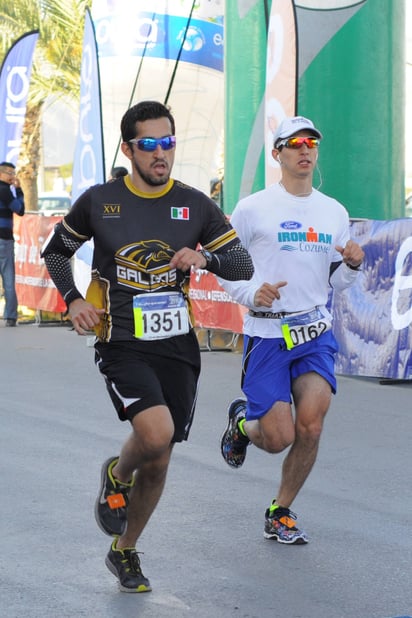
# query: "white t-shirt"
x,y
290,239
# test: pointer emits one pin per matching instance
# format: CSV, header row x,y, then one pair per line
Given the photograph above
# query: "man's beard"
x,y
152,181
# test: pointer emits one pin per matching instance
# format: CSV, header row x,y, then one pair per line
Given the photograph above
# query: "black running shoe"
x,y
280,525
111,505
125,565
234,443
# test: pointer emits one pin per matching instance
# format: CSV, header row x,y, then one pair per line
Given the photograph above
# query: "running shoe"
x,y
125,565
111,505
280,524
234,443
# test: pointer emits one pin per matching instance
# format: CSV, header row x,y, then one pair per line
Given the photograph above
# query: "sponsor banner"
x,y
159,34
88,166
14,87
371,320
212,306
34,287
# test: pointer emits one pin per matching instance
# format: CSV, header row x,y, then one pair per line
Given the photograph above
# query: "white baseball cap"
x,y
290,126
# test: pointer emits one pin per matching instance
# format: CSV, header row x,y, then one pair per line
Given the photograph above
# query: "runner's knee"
x,y
310,430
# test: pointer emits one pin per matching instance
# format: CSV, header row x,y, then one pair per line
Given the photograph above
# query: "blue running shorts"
x,y
268,369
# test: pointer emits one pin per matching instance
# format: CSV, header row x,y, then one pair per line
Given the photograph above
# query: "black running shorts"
x,y
143,374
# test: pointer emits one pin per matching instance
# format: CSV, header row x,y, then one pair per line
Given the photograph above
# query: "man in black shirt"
x,y
146,228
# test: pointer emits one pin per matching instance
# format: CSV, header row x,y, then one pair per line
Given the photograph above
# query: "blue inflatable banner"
x,y
372,319
88,165
14,88
160,35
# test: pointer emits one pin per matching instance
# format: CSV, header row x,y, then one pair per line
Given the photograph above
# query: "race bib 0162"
x,y
304,327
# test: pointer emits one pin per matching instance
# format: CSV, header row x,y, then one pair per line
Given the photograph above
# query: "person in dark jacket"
x,y
11,201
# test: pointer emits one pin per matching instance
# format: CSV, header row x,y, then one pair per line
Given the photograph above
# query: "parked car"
x,y
51,204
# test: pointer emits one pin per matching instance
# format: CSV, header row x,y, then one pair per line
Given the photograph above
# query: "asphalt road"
x,y
204,550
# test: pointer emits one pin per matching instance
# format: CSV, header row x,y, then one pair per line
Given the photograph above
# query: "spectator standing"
x,y
11,202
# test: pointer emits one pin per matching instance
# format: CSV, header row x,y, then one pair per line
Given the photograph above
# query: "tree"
x,y
56,68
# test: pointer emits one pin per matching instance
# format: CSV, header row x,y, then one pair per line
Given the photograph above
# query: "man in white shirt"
x,y
300,244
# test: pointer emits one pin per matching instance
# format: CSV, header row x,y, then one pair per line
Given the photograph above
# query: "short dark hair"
x,y
145,110
7,164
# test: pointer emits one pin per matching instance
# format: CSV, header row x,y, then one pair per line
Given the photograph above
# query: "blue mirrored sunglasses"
x,y
148,144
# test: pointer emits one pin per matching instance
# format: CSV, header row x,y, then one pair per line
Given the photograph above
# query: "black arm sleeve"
x,y
60,271
57,252
232,265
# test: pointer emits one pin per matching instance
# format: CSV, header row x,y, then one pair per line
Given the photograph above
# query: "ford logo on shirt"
x,y
290,225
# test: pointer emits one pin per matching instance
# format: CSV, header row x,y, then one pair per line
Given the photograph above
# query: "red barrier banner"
x,y
34,287
212,306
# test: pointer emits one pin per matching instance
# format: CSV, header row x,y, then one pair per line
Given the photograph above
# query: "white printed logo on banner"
x,y
400,284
